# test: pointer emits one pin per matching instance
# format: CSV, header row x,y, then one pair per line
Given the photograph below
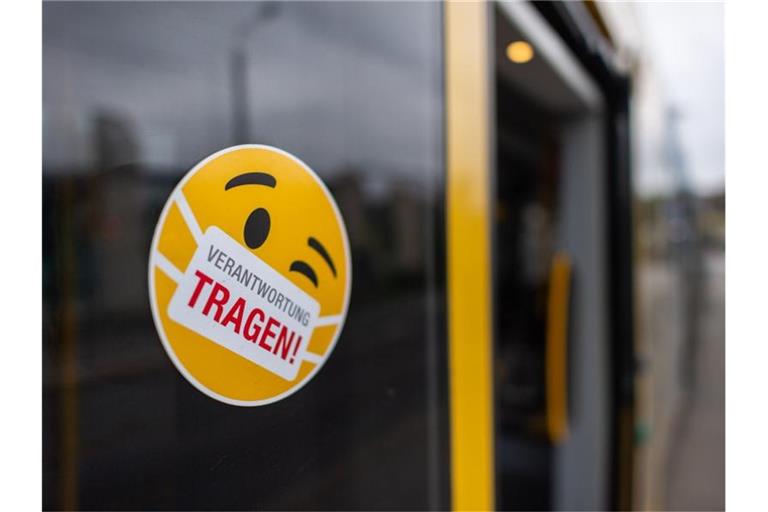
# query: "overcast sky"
x,y
686,42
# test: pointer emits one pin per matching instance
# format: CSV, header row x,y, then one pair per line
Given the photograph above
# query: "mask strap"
x,y
311,357
328,320
189,217
169,268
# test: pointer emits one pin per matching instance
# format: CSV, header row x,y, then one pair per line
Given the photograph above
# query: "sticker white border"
x,y
156,259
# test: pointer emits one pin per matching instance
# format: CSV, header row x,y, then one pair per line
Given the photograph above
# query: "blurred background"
x,y
607,137
679,183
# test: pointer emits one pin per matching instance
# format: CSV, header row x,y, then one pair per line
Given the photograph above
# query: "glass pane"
x,y
134,95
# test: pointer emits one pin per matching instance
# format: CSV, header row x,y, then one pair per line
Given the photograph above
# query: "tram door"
x,y
550,306
134,95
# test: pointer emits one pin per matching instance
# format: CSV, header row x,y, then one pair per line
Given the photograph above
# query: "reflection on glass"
x,y
134,95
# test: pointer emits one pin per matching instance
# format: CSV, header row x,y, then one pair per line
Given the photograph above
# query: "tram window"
x,y
136,93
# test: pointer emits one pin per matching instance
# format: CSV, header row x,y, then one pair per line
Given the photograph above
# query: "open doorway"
x,y
552,375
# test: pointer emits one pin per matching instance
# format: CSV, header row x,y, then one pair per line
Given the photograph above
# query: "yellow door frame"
x,y
468,224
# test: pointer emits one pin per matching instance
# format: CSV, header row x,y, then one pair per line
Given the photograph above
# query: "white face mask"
x,y
235,299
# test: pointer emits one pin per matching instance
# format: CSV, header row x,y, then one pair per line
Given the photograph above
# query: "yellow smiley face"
x,y
276,207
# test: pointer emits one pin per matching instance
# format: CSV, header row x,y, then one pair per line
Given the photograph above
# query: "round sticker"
x,y
250,275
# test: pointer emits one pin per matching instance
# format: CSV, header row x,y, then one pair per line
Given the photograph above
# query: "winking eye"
x,y
305,269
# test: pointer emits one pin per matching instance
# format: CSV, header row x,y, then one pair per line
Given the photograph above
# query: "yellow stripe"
x,y
557,348
468,246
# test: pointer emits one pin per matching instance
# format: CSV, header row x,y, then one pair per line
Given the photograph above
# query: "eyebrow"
x,y
252,178
317,246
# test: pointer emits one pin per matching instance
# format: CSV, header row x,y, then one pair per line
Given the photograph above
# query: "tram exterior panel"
x,y
487,355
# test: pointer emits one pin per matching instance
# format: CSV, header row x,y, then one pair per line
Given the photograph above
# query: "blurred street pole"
x,y
239,69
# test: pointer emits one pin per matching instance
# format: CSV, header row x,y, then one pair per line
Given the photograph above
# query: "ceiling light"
x,y
519,52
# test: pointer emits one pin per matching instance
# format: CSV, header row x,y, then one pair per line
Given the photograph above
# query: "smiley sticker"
x,y
249,275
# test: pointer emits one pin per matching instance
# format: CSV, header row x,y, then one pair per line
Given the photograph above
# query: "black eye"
x,y
256,228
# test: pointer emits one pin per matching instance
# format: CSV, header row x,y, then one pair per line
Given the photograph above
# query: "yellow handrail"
x,y
557,348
